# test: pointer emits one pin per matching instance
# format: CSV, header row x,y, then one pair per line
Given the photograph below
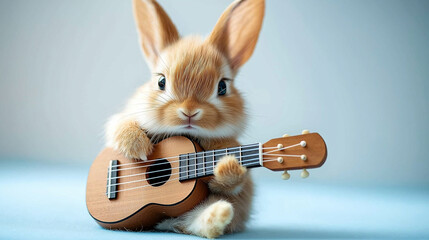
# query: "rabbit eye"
x,y
221,88
161,83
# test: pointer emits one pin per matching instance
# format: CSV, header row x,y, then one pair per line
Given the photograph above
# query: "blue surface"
x,y
49,203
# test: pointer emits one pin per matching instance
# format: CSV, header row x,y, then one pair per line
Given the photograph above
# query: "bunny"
x,y
192,93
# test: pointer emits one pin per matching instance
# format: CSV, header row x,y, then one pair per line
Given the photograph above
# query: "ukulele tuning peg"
x,y
305,131
285,175
304,173
286,135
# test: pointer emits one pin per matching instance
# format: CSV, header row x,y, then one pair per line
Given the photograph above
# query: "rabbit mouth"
x,y
189,123
190,127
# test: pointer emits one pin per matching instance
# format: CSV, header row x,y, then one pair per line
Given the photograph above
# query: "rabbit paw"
x,y
132,141
228,176
215,218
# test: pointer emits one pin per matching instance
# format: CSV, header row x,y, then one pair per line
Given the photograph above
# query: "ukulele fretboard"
x,y
201,164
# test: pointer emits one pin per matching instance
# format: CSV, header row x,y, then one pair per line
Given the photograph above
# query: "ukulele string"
x,y
208,151
166,175
188,170
196,164
197,168
194,158
148,185
280,149
197,157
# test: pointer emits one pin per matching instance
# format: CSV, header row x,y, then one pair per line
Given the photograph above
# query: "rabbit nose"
x,y
186,114
193,115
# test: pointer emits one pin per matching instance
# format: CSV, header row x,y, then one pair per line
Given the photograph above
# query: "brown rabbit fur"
x,y
184,97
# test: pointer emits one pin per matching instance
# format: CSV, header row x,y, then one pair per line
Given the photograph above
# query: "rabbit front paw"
x,y
132,141
229,176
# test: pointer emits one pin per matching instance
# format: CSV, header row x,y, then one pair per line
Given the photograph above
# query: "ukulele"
x,y
123,193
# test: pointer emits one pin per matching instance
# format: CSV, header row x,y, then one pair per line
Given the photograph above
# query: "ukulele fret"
x,y
208,159
220,153
200,164
241,160
204,163
250,155
234,152
187,165
213,160
192,166
182,167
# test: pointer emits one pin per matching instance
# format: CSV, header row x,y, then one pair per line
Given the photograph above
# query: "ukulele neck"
x,y
202,164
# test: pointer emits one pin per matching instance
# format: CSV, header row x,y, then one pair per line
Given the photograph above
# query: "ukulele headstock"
x,y
294,152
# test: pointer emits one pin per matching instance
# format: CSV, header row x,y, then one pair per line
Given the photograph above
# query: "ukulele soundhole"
x,y
158,173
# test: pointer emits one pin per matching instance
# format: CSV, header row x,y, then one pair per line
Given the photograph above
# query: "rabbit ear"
x,y
156,30
237,30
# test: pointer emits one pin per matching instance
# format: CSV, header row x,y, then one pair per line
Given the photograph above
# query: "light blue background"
x,y
355,71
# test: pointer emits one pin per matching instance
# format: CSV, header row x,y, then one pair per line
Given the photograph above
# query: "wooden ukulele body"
x,y
143,207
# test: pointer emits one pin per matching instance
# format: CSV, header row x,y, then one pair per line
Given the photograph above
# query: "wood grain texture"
x,y
142,207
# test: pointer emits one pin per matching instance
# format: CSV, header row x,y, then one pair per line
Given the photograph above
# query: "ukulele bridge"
x,y
112,173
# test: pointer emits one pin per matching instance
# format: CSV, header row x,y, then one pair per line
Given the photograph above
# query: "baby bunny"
x,y
192,93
